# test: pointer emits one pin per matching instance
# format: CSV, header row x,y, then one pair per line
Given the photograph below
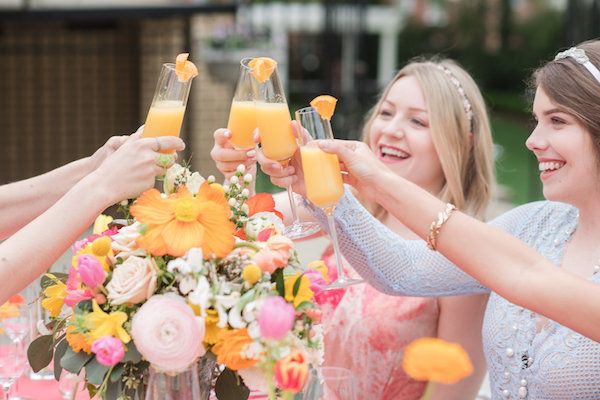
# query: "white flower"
x,y
174,174
132,282
124,242
233,180
211,179
254,330
187,284
232,202
245,193
241,169
226,188
201,295
190,263
194,182
223,303
245,208
248,178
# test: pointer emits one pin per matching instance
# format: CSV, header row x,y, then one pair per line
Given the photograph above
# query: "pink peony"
x,y
109,350
167,333
90,270
275,318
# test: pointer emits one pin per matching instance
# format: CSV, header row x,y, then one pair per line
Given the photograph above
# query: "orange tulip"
x,y
291,372
431,359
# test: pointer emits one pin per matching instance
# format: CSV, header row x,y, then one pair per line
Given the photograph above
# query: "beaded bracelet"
x,y
434,229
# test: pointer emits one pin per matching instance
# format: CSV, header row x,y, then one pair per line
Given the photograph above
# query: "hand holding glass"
x,y
322,179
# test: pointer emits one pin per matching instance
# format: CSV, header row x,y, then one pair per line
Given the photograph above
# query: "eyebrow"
x,y
554,110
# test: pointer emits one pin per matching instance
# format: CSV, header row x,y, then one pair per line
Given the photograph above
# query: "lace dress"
x,y
524,362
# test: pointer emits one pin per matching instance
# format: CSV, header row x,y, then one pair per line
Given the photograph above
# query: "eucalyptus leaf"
x,y
279,284
117,372
74,362
95,372
132,354
228,387
40,352
61,348
297,286
113,390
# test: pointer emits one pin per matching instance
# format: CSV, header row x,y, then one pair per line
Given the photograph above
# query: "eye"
x,y
557,121
385,113
418,122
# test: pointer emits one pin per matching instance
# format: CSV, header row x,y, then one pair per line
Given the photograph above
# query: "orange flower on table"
x,y
78,341
432,359
182,221
291,372
230,347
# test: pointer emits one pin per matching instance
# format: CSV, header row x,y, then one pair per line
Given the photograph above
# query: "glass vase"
x,y
194,383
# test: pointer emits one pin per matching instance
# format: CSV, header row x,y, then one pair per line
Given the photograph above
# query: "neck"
x,y
589,218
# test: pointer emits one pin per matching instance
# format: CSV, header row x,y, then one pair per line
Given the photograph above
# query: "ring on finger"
x,y
158,146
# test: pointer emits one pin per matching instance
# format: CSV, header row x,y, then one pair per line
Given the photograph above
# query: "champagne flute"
x,y
330,383
165,116
277,138
13,355
322,179
242,115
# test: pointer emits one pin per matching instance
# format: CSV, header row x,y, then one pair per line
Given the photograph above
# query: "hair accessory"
x,y
582,58
461,91
436,225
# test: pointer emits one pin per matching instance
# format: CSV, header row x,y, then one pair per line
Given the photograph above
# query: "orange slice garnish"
x,y
325,105
262,68
185,69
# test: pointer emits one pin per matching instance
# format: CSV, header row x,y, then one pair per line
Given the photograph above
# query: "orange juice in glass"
x,y
242,115
275,125
322,176
165,116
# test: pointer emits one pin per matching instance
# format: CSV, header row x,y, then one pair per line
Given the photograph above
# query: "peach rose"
x,y
133,281
275,254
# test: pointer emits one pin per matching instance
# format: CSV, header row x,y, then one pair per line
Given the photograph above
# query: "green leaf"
x,y
297,286
40,352
117,373
228,387
61,348
113,390
132,354
74,362
277,277
95,372
92,390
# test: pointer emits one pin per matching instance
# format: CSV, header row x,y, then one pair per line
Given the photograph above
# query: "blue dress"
x,y
543,361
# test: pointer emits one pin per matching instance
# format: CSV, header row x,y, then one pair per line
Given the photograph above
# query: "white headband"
x,y
461,92
579,56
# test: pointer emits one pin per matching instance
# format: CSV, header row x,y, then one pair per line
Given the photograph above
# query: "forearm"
x,y
21,202
32,250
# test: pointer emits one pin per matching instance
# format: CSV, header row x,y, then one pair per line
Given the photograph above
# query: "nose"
x,y
537,139
394,127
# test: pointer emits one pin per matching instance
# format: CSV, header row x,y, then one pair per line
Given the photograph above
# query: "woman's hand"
x,y
112,145
133,167
357,159
284,176
227,158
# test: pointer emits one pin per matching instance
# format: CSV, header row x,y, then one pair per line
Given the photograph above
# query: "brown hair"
x,y
466,160
574,89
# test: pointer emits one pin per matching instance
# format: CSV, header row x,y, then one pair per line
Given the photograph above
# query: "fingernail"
x,y
276,166
227,134
251,153
290,170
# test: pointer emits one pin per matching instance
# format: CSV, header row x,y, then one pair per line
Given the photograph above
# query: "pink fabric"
x,y
367,333
46,390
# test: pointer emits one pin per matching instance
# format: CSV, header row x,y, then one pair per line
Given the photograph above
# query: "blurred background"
x,y
74,72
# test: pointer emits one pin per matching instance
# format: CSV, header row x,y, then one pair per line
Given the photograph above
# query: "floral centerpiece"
x,y
199,271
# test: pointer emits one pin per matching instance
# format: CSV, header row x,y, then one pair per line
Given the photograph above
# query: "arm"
x,y
21,202
460,322
33,249
499,261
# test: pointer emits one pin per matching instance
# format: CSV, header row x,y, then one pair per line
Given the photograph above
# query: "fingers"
x,y
343,148
137,134
221,154
163,143
273,168
284,182
222,137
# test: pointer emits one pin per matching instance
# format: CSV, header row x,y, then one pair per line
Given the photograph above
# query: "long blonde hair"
x,y
464,147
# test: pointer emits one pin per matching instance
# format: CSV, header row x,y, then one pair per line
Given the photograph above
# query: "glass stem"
x,y
336,245
290,193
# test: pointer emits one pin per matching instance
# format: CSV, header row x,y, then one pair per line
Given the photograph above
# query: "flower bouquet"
x,y
198,272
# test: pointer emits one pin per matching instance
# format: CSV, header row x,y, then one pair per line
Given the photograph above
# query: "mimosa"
x,y
242,123
164,119
276,136
322,177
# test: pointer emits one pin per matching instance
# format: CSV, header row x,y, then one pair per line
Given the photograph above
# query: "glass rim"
x,y
309,110
244,61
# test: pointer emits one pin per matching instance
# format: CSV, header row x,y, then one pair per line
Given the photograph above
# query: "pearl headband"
x,y
461,92
579,56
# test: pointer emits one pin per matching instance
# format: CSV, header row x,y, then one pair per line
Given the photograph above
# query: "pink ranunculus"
x,y
275,318
109,350
317,282
167,333
90,270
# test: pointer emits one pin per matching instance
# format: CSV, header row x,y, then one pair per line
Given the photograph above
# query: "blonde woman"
x,y
419,130
541,324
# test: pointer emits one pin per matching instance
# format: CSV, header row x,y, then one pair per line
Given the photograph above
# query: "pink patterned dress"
x,y
367,333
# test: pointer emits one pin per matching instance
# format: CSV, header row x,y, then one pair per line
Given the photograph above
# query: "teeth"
x,y
550,166
388,151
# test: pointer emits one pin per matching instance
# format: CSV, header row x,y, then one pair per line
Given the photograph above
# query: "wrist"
x,y
94,185
386,183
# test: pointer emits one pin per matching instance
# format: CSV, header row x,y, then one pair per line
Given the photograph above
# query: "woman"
x,y
541,324
418,129
47,213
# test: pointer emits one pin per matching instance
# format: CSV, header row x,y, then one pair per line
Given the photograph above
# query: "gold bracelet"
x,y
434,229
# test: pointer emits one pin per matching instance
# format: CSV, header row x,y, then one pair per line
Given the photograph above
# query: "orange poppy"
x,y
262,202
182,221
229,348
432,359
